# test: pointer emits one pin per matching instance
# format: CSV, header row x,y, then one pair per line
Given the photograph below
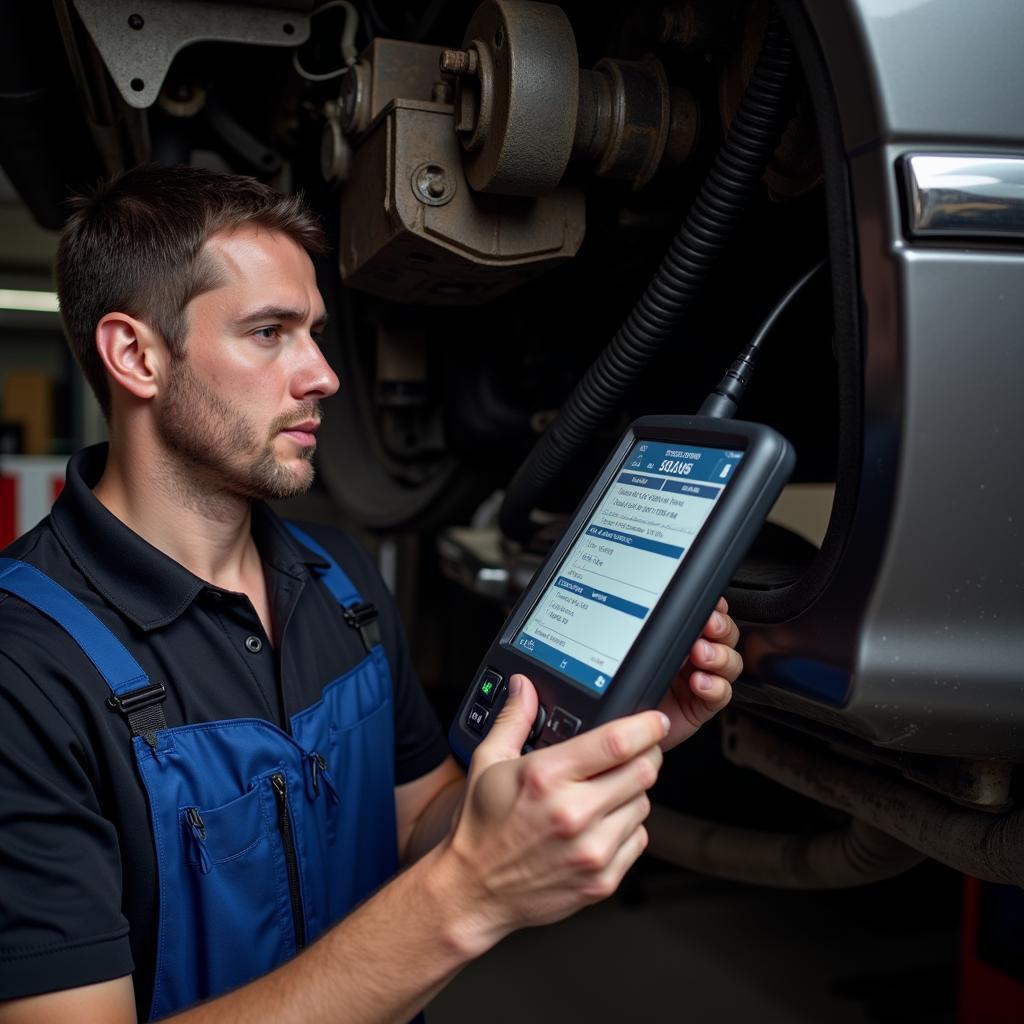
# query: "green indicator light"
x,y
487,686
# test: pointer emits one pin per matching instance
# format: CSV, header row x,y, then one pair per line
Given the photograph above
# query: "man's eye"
x,y
267,333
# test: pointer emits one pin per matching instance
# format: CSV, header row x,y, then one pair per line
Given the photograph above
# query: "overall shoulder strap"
x,y
358,614
131,691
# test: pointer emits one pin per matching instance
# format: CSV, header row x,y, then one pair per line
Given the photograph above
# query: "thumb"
x,y
512,726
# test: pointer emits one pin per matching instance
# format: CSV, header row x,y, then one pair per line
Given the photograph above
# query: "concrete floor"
x,y
682,948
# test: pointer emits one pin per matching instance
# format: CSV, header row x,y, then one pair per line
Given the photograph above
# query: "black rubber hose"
x,y
727,192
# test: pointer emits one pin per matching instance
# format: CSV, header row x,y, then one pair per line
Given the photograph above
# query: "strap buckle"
x,y
363,617
143,711
138,699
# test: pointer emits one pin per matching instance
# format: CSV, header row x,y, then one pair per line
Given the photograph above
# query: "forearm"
x,y
435,822
380,965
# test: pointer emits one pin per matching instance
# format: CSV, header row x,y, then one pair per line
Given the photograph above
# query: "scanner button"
x,y
477,717
562,724
538,723
490,687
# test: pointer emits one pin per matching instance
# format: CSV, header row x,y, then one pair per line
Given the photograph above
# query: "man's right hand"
x,y
542,835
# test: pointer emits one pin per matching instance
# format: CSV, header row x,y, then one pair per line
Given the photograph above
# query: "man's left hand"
x,y
703,686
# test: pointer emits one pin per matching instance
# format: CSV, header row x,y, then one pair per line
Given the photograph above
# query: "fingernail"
x,y
703,681
717,622
706,651
515,684
665,723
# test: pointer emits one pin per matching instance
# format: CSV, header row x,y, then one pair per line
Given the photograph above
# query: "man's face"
x,y
241,407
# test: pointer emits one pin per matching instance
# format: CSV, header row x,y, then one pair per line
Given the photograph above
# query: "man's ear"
x,y
133,353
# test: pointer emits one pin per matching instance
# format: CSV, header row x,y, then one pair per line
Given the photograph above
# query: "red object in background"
x,y
29,485
8,510
991,955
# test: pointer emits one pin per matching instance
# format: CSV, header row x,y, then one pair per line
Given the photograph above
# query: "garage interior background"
x,y
451,428
671,945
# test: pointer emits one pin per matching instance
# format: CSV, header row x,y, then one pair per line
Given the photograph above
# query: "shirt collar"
x,y
148,587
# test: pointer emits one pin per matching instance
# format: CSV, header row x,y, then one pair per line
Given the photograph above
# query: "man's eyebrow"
x,y
279,313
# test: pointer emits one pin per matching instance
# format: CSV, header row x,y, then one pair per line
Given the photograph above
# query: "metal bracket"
x,y
138,39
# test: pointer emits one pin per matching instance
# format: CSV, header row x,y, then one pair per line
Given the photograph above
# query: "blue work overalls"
x,y
263,839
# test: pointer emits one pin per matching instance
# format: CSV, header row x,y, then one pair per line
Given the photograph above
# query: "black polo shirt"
x,y
78,893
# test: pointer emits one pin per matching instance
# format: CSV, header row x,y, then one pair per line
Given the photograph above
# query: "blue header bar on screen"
x,y
686,462
631,540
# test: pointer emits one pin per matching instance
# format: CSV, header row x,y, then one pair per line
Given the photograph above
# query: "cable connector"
x,y
725,398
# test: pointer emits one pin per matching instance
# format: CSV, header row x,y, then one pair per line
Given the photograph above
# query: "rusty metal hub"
x,y
523,108
516,96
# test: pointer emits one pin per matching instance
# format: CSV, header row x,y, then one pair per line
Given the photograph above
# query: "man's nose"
x,y
315,378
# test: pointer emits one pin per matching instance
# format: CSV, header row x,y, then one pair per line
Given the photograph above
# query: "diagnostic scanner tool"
x,y
610,616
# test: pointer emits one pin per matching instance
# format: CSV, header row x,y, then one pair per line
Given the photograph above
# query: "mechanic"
x,y
215,749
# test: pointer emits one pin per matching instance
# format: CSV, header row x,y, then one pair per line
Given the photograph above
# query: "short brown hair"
x,y
135,245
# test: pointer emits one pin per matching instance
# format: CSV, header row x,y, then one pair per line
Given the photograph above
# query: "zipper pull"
x,y
332,790
313,778
198,829
318,773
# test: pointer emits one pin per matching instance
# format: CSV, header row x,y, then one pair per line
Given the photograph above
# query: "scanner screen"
x,y
615,572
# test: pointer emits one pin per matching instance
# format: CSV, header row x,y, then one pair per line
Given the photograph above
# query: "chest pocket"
x,y
348,730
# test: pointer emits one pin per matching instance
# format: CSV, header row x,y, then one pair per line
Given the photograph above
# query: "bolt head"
x,y
432,184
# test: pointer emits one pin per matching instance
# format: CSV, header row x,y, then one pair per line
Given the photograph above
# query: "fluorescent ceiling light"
x,y
35,302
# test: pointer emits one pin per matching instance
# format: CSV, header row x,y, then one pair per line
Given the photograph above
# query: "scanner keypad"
x,y
491,684
562,724
490,689
477,718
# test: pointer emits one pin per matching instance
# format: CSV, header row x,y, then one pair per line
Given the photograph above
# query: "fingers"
x,y
605,882
597,848
713,693
718,666
605,794
606,747
720,626
716,659
512,726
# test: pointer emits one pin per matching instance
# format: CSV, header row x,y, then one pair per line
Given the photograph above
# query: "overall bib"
x,y
263,839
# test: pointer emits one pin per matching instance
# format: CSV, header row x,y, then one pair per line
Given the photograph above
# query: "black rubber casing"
x,y
678,618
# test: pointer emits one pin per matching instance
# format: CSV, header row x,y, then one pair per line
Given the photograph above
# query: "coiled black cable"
x,y
727,191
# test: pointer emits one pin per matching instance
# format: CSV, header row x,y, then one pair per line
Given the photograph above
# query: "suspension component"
x,y
622,117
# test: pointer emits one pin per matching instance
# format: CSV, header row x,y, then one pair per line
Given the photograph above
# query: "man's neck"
x,y
205,529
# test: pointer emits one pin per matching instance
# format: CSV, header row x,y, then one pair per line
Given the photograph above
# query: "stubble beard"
x,y
212,444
